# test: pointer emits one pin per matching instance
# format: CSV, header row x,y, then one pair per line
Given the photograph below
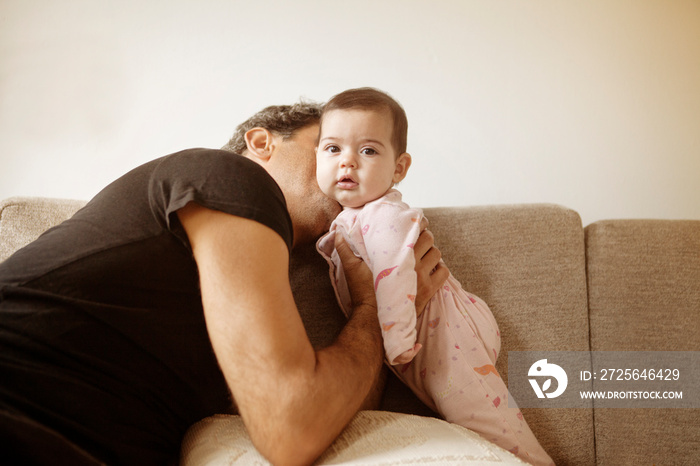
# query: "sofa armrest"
x,y
644,295
643,277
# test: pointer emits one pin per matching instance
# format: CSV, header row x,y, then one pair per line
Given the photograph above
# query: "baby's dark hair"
x,y
368,98
283,120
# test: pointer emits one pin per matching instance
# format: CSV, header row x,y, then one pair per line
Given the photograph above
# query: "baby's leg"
x,y
483,406
457,371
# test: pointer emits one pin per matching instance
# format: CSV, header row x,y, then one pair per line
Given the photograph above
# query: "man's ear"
x,y
259,142
402,165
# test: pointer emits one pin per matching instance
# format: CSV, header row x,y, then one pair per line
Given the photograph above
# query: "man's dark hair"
x,y
282,120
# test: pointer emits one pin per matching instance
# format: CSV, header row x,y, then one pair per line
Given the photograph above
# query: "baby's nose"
x,y
348,161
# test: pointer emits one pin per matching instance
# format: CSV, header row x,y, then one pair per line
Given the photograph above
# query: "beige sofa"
x,y
552,285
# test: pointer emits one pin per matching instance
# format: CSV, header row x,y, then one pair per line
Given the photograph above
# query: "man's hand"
x,y
357,275
431,271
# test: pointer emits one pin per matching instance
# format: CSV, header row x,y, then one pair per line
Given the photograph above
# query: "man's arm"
x,y
294,401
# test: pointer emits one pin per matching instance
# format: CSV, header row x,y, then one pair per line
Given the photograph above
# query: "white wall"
x,y
594,105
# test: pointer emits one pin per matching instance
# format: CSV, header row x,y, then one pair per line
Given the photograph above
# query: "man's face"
x,y
295,171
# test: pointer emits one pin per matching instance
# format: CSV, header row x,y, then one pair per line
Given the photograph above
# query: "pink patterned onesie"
x,y
447,355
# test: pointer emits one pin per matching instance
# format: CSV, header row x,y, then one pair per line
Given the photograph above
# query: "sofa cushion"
x,y
371,438
644,295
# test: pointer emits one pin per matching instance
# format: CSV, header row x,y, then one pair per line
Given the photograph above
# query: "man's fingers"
x,y
431,259
346,255
431,272
439,276
423,244
357,274
350,261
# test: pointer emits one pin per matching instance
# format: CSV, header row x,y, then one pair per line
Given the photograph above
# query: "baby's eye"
x,y
333,149
368,151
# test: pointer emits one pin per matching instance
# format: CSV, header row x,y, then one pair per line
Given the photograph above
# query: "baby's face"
x,y
355,160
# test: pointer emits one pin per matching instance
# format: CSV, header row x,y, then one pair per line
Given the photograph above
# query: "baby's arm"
x,y
389,233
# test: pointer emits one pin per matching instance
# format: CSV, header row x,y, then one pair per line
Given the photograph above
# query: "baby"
x,y
446,355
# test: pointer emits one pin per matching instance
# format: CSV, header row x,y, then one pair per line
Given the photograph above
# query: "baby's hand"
x,y
407,356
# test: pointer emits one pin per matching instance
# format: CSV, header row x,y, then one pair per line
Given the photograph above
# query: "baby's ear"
x,y
403,162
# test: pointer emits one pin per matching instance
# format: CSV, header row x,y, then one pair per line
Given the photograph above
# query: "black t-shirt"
x,y
102,333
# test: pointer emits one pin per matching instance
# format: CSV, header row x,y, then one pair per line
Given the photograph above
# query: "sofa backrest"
x,y
23,219
526,261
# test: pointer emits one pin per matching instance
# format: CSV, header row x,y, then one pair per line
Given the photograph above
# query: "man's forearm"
x,y
353,364
317,405
373,400
363,331
374,397
360,344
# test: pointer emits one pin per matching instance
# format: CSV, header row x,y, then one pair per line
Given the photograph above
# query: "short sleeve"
x,y
218,180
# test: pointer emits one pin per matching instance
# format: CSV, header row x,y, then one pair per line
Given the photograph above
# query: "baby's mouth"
x,y
347,182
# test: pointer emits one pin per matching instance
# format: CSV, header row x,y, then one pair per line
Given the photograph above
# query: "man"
x,y
167,299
